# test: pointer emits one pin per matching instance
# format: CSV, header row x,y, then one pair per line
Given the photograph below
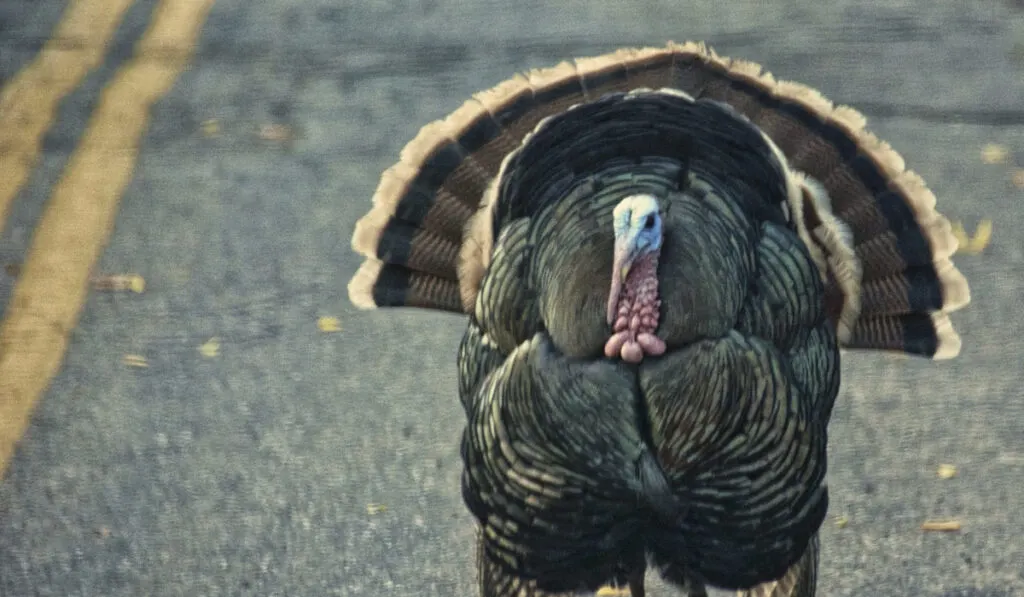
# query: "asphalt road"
x,y
296,462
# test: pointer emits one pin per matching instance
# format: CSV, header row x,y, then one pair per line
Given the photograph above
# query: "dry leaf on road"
x,y
941,525
328,324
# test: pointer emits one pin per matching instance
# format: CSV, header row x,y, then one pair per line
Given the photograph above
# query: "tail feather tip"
x,y
360,287
956,292
368,232
948,342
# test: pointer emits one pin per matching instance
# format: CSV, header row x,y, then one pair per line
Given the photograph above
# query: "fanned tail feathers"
x,y
871,225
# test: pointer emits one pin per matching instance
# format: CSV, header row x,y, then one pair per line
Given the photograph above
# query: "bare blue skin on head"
x,y
633,300
637,224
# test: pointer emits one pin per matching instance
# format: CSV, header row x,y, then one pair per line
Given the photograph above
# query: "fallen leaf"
x,y
135,360
211,348
328,324
103,532
842,521
275,132
1018,178
210,127
976,243
993,153
962,240
982,236
376,509
120,282
946,471
941,525
1010,458
613,592
12,269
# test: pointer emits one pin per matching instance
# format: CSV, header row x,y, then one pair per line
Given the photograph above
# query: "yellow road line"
x,y
29,101
53,284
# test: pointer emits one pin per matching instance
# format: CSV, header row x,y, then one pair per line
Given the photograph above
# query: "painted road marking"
x,y
80,214
28,103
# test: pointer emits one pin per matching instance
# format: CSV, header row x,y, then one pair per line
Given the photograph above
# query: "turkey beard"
x,y
633,310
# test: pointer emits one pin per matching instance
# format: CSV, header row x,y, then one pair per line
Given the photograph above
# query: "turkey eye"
x,y
648,222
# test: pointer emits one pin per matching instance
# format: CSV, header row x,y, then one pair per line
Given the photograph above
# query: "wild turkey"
x,y
660,253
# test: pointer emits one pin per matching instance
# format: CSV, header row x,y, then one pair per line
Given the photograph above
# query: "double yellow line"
x,y
79,216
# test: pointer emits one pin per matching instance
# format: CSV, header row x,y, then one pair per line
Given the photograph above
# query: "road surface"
x,y
206,437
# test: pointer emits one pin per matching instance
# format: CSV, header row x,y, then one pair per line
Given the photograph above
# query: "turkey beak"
x,y
623,260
